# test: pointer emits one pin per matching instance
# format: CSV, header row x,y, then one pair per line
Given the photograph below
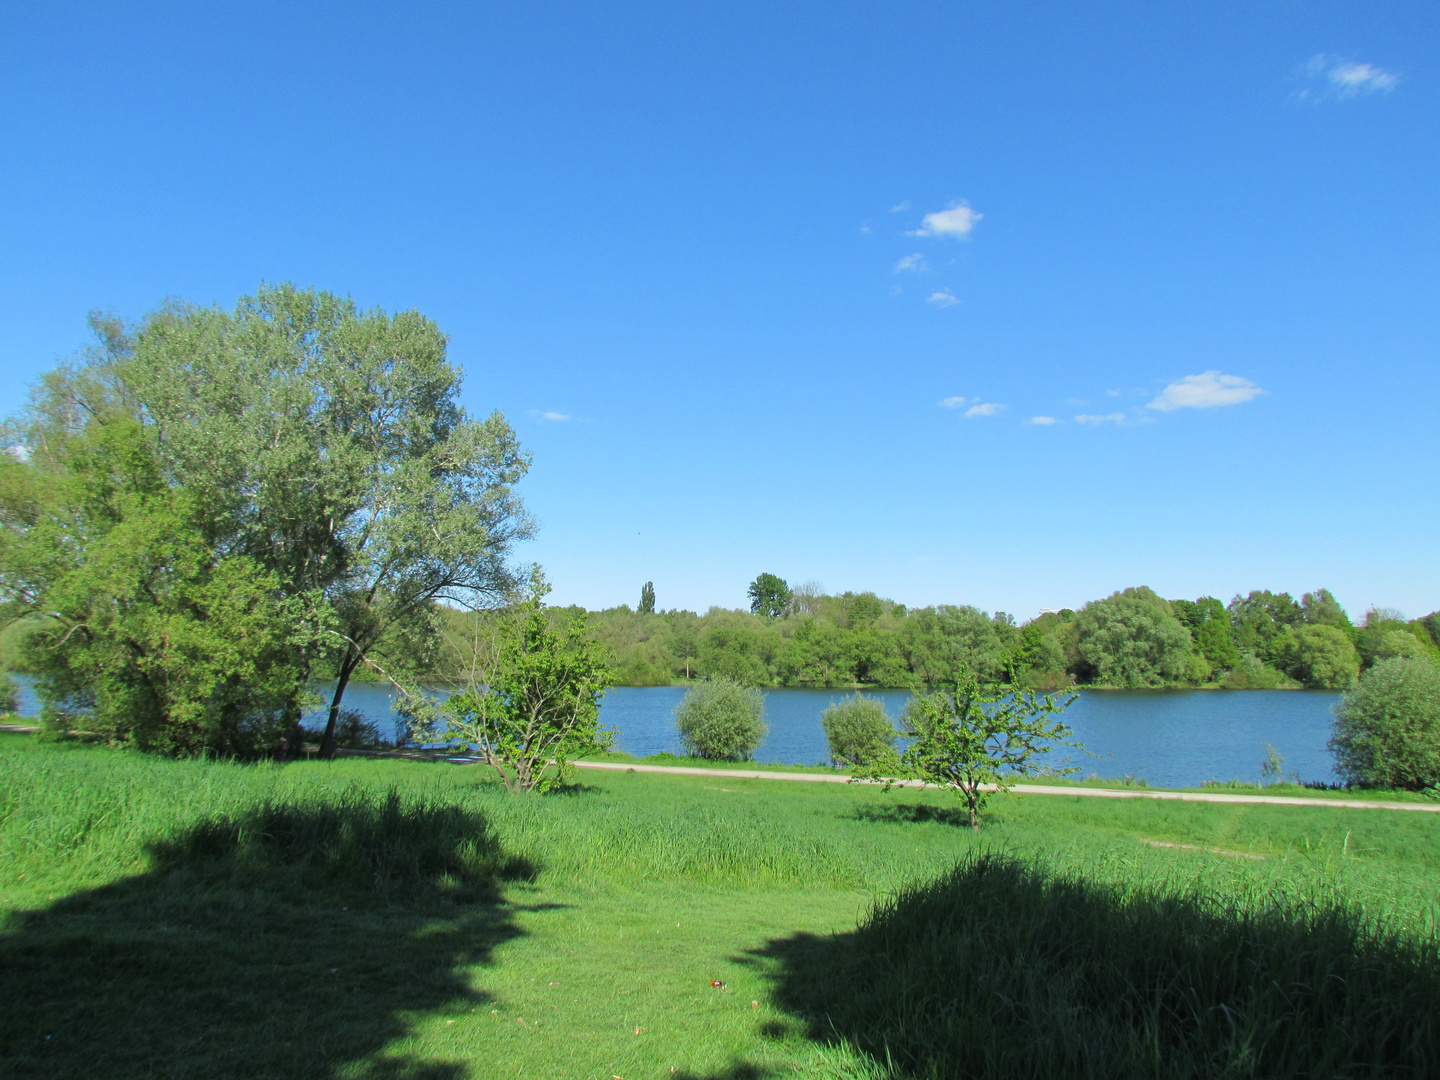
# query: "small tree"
x,y
974,742
531,701
721,719
1387,729
769,596
647,598
858,731
9,695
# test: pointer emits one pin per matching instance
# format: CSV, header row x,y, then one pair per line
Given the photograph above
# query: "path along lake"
x,y
1171,738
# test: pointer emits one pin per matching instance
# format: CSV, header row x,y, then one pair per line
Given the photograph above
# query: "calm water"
x,y
1172,738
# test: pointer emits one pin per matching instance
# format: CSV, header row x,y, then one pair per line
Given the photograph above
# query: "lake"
x,y
1172,738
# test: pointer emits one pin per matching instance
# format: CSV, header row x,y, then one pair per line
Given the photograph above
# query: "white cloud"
x,y
1042,421
903,204
913,263
1205,391
953,402
1108,418
547,415
18,452
865,227
988,408
942,298
1330,77
955,222
1112,393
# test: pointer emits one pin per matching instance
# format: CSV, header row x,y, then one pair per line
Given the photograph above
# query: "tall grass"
x,y
1007,968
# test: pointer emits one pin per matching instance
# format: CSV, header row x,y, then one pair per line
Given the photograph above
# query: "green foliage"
x,y
1252,673
321,448
721,719
9,694
531,697
142,629
1387,729
1320,608
1131,639
969,741
1256,618
1386,633
769,596
1319,657
857,731
647,598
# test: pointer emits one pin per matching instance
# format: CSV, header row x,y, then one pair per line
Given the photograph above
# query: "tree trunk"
x,y
347,668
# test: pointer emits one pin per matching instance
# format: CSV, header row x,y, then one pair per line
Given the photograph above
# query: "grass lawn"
x,y
190,919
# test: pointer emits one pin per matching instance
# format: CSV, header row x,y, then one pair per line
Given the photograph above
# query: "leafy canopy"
x,y
769,596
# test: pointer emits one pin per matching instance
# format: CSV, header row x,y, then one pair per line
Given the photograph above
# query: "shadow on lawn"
x,y
297,940
913,813
1003,969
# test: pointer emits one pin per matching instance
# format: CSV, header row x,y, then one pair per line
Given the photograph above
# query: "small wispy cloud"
x,y
865,227
952,402
1113,393
1205,391
986,408
956,222
548,415
1334,78
1096,419
942,298
1041,421
912,263
903,204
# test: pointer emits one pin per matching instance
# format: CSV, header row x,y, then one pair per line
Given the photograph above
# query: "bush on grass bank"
x,y
721,719
1387,729
1005,969
9,695
857,731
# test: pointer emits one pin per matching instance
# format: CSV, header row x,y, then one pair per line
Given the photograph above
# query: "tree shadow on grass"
x,y
1003,969
292,941
911,813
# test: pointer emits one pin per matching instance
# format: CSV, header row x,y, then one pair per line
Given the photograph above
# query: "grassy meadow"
x,y
383,918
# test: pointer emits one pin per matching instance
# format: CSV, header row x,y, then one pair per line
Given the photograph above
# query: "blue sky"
x,y
784,287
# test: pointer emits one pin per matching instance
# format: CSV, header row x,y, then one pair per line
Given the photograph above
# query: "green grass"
x,y
378,918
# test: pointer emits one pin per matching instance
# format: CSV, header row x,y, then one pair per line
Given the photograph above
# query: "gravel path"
x,y
1031,789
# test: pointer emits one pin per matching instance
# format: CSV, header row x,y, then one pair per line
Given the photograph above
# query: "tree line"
x,y
1132,638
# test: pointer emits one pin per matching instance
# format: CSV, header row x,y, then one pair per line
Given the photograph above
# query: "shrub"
x,y
1252,673
721,719
9,694
1387,729
857,730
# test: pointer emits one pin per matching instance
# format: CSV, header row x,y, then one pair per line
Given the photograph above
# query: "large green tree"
x,y
1131,638
331,445
769,596
143,630
326,445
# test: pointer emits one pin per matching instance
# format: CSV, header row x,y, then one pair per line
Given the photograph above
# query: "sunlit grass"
x,y
193,911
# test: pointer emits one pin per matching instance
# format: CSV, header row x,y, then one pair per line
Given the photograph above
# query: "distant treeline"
x,y
1133,638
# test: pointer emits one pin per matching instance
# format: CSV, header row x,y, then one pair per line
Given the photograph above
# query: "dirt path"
x,y
1031,789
